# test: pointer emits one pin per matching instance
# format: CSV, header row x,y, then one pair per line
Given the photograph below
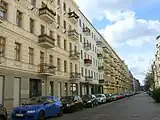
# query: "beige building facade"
x,y
49,48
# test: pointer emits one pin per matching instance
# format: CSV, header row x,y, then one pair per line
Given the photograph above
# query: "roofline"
x,y
101,36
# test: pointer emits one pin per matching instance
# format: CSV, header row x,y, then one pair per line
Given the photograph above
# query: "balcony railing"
x,y
46,69
72,34
100,68
100,55
75,76
73,17
88,78
106,50
87,46
74,55
46,41
99,43
101,81
47,14
86,31
87,61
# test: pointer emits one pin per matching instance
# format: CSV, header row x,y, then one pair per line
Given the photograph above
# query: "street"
x,y
138,107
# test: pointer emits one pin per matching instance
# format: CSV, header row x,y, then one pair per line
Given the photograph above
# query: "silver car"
x,y
101,98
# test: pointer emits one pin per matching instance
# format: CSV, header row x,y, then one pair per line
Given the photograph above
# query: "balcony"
x,y
46,69
101,81
99,43
100,55
46,41
100,68
86,31
72,34
87,46
73,17
75,76
74,55
47,14
106,50
88,62
88,78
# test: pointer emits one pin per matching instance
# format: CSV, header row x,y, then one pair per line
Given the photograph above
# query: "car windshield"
x,y
99,95
86,96
67,99
38,100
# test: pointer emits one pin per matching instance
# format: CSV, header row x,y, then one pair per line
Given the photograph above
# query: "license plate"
x,y
19,115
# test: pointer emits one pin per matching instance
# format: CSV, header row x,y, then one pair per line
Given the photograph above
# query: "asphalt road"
x,y
138,107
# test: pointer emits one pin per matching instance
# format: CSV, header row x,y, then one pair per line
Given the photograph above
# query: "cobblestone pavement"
x,y
138,107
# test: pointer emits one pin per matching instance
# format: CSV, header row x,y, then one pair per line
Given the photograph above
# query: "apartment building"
x,y
156,64
48,47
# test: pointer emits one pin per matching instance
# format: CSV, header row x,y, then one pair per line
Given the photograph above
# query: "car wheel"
x,y
41,115
92,105
60,113
2,118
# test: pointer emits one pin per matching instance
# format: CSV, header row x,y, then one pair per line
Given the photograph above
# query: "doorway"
x,y
1,89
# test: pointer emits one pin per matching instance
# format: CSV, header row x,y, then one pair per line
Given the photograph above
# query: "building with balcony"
x,y
50,48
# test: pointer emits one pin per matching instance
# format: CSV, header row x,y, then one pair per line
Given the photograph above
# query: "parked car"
x,y
109,97
89,100
38,108
3,113
101,98
72,103
114,96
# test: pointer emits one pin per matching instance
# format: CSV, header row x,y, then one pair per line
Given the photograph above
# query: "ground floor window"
x,y
51,88
74,89
35,88
1,89
66,89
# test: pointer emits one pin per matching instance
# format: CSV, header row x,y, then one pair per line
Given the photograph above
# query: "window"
x,y
58,41
83,25
43,5
51,60
31,25
84,39
58,64
76,69
51,33
65,44
2,46
66,89
85,72
42,30
41,57
70,46
65,66
71,70
17,51
64,7
82,71
51,88
64,24
80,37
3,9
70,27
58,2
33,2
85,56
80,23
19,18
92,34
81,54
31,55
58,20
69,10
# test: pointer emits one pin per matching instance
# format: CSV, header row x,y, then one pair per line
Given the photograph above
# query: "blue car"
x,y
38,108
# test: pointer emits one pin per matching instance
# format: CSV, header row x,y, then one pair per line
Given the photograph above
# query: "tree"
x,y
149,80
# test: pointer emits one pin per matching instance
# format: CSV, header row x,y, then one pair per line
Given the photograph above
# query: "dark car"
x,y
3,113
90,100
109,97
72,103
